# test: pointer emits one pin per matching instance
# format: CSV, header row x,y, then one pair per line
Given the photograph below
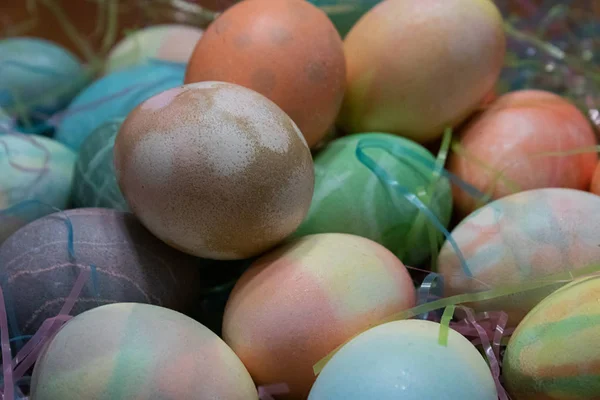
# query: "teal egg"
x,y
345,13
114,96
38,77
349,197
35,175
404,360
95,183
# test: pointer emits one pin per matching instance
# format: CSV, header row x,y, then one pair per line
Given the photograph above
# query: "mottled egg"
x,y
298,303
524,140
95,182
38,77
344,13
553,353
287,50
404,360
520,238
215,170
142,352
350,198
37,272
417,67
114,96
164,42
36,174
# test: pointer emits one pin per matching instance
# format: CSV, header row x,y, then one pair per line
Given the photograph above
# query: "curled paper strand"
x,y
445,325
432,288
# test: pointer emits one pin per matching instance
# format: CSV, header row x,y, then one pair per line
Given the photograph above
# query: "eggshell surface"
x,y
301,301
519,239
164,42
524,140
38,273
595,185
418,67
553,353
142,352
350,198
215,170
404,360
287,50
114,96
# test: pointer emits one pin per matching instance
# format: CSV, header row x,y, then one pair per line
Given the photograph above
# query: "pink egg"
x,y
520,142
303,300
595,186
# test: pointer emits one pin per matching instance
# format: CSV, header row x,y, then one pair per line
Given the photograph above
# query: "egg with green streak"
x,y
349,197
553,354
142,352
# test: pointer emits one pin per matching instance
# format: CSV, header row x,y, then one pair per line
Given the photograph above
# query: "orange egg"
x,y
505,149
417,67
287,50
595,186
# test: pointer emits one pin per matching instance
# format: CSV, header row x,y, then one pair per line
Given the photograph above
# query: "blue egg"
x,y
36,174
345,13
404,360
95,182
114,96
37,77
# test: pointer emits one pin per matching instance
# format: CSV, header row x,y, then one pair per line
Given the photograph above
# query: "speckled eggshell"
x,y
350,198
40,76
520,238
301,301
131,265
95,182
165,42
215,170
36,170
506,138
114,96
417,67
141,352
404,360
553,354
287,50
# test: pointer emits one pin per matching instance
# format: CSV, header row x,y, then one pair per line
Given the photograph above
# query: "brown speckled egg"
x,y
287,50
215,170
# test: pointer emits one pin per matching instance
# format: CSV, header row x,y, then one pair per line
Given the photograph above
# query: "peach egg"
x,y
520,142
417,67
303,300
595,186
287,50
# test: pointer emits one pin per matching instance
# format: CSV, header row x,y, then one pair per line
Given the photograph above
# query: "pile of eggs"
x,y
304,164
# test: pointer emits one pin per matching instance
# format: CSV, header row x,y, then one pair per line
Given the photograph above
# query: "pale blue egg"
x,y
404,360
37,77
114,96
345,13
95,182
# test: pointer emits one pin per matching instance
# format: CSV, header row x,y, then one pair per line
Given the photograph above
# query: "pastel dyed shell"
x,y
215,170
520,238
142,352
554,353
301,301
399,360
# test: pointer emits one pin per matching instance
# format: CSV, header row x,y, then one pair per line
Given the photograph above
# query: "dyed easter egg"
x,y
142,352
520,238
553,353
38,77
164,42
595,185
114,96
417,67
404,360
287,50
350,198
95,183
37,273
502,150
298,303
215,170
344,13
36,174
